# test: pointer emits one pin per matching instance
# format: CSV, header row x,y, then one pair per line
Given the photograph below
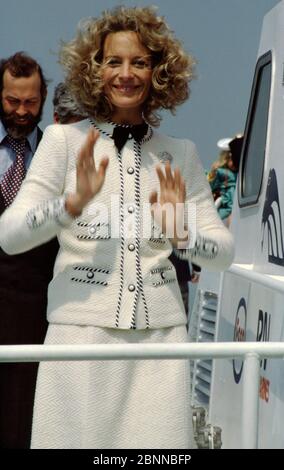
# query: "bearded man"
x,y
23,278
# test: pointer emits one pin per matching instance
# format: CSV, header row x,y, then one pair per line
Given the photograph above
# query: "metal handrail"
x,y
251,352
104,352
266,280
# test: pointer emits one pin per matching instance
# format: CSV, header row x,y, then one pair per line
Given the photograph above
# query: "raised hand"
x,y
168,211
89,179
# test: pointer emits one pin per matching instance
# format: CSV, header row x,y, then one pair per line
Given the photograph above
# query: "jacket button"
x,y
130,170
90,275
131,247
131,209
131,288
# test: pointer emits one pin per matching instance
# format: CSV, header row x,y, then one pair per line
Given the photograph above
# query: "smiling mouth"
x,y
21,120
126,88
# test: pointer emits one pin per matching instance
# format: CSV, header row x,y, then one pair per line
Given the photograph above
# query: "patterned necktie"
x,y
14,176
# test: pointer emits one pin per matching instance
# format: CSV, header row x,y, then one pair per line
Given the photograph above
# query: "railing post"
x,y
250,401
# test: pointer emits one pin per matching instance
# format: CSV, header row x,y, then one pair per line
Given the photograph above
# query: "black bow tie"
x,y
121,134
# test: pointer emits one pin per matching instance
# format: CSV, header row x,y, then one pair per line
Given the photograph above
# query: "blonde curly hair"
x,y
172,67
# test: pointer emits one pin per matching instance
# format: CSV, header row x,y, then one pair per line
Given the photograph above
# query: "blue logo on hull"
x,y
272,222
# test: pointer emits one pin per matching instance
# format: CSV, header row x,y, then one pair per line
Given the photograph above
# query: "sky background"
x,y
223,35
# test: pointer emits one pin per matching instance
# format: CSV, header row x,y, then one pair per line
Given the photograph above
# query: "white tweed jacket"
x,y
109,272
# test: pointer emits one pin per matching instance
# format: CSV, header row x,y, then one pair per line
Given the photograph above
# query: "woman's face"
x,y
127,75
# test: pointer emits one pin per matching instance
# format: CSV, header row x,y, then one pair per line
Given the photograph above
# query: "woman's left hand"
x,y
168,212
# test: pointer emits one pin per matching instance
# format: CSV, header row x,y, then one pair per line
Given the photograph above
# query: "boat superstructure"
x,y
246,303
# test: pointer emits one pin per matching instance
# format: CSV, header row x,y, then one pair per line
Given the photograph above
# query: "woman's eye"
x,y
141,63
113,62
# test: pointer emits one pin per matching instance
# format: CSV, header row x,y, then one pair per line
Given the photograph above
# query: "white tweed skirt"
x,y
113,404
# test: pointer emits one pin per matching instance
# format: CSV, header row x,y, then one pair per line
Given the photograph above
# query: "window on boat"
x,y
253,153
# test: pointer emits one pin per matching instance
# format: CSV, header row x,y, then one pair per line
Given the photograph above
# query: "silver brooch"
x,y
165,157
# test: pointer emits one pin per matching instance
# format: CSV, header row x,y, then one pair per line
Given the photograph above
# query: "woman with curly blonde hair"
x,y
172,68
104,185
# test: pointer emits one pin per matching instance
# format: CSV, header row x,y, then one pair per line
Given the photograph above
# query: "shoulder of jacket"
x,y
185,144
69,131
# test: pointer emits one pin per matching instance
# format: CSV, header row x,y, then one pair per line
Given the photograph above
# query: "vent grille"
x,y
202,329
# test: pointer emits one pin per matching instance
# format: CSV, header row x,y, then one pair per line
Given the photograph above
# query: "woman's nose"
x,y
126,70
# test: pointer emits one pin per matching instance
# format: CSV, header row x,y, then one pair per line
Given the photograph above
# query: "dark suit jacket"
x,y
24,280
182,268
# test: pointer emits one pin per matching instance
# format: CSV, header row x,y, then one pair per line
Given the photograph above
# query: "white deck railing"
x,y
252,353
247,272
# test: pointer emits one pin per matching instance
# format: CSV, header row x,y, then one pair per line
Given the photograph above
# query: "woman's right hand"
x,y
89,179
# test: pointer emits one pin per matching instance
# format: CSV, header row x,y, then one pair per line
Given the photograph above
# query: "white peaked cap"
x,y
223,144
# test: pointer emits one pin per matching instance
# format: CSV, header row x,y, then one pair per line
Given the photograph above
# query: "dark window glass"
x,y
252,164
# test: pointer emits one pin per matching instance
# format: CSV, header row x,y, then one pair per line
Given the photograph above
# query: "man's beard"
x,y
17,130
